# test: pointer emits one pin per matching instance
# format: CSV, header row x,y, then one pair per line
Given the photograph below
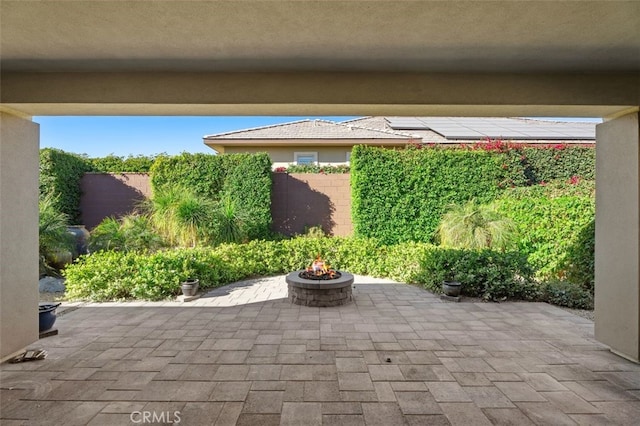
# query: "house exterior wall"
x,y
617,252
284,156
19,140
111,194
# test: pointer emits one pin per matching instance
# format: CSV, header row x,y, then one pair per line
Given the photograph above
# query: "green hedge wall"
x,y
248,182
202,173
531,165
115,164
246,177
401,195
555,228
60,174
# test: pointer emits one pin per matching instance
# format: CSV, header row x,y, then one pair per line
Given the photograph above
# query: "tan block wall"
x,y
111,194
302,200
298,200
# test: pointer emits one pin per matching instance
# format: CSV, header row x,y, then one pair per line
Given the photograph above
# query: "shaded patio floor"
x,y
398,355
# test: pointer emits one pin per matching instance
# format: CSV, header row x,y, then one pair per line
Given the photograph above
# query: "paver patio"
x,y
397,356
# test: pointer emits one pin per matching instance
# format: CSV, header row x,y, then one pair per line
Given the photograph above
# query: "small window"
x,y
348,157
304,158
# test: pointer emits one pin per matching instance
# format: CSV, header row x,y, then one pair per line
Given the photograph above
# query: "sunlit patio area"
x,y
245,355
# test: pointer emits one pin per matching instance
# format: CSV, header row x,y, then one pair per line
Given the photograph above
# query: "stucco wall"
x,y
617,287
111,194
283,156
19,140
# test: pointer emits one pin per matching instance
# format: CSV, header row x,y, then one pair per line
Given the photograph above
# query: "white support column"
x,y
19,144
617,288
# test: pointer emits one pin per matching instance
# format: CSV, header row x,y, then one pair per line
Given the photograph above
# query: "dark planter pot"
x,y
81,239
451,288
190,287
47,313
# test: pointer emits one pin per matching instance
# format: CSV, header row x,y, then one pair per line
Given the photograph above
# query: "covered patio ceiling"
x,y
382,57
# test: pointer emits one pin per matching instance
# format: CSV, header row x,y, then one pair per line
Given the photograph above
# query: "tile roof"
x,y
311,129
420,129
478,128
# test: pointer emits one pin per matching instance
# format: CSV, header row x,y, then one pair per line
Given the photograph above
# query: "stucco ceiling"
x,y
432,36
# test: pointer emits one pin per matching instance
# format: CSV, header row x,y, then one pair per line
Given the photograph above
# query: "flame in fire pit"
x,y
320,270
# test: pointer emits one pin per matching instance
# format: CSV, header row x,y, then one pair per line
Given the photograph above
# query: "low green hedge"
x,y
564,293
108,275
488,274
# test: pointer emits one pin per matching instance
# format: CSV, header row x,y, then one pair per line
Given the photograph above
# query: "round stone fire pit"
x,y
332,292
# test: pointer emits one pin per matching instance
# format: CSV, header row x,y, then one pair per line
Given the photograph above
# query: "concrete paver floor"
x,y
398,355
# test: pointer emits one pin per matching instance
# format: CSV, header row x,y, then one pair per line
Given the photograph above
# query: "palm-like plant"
x,y
132,232
229,220
54,236
181,216
475,226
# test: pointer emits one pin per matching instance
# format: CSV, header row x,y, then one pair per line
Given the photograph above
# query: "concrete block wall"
x,y
111,194
298,200
302,200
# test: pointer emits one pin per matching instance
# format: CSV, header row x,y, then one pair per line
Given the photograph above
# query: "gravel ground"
x,y
581,313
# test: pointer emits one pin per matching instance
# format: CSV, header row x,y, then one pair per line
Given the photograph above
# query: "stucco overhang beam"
x,y
322,93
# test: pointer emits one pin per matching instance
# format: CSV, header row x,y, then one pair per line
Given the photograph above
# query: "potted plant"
x,y
190,286
450,285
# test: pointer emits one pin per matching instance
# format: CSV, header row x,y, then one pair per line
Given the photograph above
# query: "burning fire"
x,y
320,270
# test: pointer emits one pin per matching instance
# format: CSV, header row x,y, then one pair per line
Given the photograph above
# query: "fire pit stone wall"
x,y
315,293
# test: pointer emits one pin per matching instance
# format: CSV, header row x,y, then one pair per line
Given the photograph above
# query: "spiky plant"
x,y
229,221
54,238
107,236
474,226
131,232
182,217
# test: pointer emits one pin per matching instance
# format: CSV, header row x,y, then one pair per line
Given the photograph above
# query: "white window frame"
x,y
297,155
348,157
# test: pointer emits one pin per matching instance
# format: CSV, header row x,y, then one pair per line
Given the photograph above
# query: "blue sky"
x,y
124,136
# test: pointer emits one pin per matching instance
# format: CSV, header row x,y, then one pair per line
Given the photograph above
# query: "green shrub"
x,y
111,275
60,174
531,165
563,293
114,164
201,173
183,218
248,182
580,259
246,178
557,162
54,237
400,196
487,274
549,226
133,232
474,226
115,275
230,225
314,168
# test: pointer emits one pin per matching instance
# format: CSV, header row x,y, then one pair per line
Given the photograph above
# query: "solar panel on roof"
x,y
507,128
